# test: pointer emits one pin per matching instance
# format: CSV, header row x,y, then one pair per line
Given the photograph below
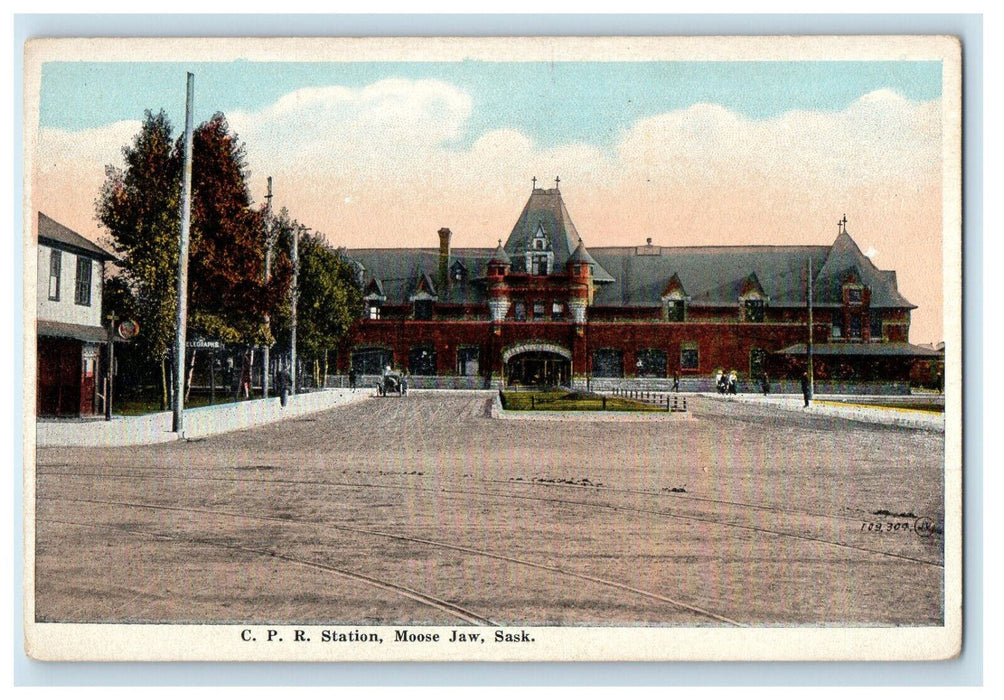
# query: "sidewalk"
x,y
199,422
835,406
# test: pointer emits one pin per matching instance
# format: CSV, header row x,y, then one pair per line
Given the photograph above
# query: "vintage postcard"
x,y
507,349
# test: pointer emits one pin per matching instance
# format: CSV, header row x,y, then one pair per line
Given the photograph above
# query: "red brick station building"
x,y
543,309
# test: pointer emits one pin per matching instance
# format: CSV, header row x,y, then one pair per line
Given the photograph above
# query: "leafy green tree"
x,y
139,206
329,297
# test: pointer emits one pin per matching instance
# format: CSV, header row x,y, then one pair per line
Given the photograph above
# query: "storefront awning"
x,y
74,331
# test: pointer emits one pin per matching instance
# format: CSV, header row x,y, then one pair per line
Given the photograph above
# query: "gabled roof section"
x,y
424,286
751,286
545,209
53,233
844,259
374,289
674,288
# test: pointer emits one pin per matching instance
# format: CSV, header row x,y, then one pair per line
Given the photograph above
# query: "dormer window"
x,y
674,310
539,265
458,273
373,310
753,310
854,296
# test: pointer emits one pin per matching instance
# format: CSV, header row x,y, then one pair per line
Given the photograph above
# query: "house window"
x,y
837,330
467,361
370,360
55,268
854,295
423,309
538,310
651,363
689,356
675,310
422,360
374,311
557,311
83,292
876,328
539,265
758,362
854,330
608,363
754,310
519,311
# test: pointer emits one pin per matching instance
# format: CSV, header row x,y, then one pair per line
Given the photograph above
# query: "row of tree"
x,y
230,297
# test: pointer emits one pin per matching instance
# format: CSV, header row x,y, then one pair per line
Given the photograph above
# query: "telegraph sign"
x,y
203,344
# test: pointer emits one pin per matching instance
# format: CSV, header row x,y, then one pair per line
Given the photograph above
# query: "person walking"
x,y
352,379
676,382
764,384
806,388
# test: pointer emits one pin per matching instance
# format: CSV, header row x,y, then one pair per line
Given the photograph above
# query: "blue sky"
x,y
553,103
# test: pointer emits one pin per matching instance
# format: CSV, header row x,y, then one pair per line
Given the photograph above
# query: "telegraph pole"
x,y
808,359
269,242
294,294
181,318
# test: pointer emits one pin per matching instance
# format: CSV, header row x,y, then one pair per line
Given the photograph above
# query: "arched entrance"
x,y
538,364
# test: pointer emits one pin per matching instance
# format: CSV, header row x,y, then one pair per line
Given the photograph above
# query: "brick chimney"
x,y
444,259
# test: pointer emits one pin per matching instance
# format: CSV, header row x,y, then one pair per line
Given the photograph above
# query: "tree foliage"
x,y
330,298
228,293
229,297
138,205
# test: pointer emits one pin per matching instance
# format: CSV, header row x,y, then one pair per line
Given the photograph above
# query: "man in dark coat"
x,y
806,388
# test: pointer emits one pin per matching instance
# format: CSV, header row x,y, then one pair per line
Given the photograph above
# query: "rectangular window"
x,y
467,361
608,363
374,312
836,330
855,327
83,293
539,264
853,295
651,363
674,310
754,310
423,309
689,356
55,269
538,310
519,311
876,328
557,310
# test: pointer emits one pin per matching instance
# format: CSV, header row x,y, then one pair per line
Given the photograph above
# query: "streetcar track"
x,y
424,598
608,506
419,540
139,474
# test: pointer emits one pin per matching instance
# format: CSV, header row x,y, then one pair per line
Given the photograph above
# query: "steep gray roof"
x,y
546,209
399,269
711,275
52,232
844,257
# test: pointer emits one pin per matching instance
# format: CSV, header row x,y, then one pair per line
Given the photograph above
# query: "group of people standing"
x,y
727,383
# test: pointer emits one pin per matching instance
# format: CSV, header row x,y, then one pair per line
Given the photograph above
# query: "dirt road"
x,y
424,510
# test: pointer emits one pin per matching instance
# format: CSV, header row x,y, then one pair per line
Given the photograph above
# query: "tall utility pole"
x,y
808,347
294,293
181,318
269,242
